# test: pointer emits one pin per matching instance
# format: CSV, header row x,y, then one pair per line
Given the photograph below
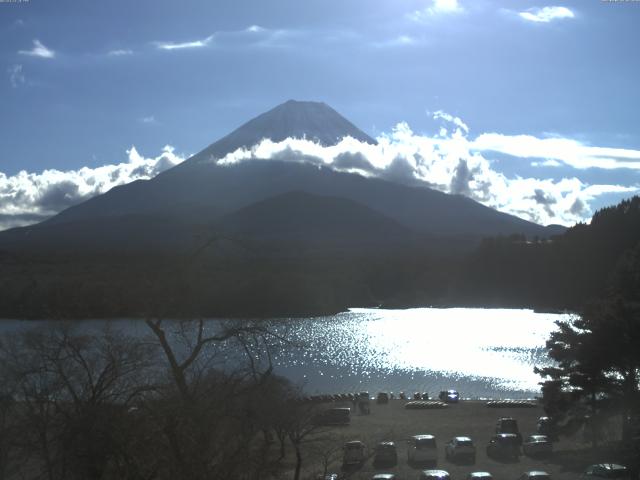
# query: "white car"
x,y
434,475
460,449
422,449
479,476
537,445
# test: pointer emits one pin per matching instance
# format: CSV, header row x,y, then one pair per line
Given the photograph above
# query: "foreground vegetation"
x,y
180,403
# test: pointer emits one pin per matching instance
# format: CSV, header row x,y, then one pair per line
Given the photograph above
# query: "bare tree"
x,y
211,419
73,390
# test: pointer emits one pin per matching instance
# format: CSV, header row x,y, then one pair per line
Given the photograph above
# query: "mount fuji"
x,y
200,197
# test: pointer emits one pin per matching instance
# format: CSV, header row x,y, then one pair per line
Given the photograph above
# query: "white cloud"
x,y
255,29
16,75
120,53
558,151
185,45
148,120
29,197
38,50
546,14
251,36
437,7
449,162
399,41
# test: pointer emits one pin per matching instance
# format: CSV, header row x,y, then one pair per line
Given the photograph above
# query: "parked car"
x,y
449,396
535,475
386,453
537,445
382,397
384,476
417,396
607,470
460,449
479,476
544,426
434,475
334,416
508,425
353,453
504,445
422,449
363,403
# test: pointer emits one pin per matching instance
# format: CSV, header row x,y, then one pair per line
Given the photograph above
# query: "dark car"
x,y
383,397
504,445
543,426
607,470
386,453
460,449
508,425
353,453
537,446
449,396
334,416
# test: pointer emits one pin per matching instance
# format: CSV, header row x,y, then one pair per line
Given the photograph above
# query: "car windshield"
x,y
465,443
509,425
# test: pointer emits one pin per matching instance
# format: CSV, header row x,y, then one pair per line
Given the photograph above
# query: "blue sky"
x,y
84,82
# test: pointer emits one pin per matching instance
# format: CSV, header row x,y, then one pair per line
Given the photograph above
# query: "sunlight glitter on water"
x,y
480,352
486,349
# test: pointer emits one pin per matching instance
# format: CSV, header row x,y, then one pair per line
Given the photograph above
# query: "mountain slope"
x,y
318,222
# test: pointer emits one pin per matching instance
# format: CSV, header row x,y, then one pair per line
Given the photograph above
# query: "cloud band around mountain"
x,y
27,198
453,163
449,161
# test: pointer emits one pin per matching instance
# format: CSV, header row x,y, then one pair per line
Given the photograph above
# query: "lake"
x,y
482,353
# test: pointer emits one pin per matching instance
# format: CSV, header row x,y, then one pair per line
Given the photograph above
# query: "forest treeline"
x,y
235,278
564,272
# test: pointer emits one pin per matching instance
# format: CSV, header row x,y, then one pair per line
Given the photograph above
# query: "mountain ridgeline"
x,y
281,237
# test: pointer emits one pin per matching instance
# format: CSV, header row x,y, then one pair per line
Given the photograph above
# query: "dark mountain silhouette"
x,y
200,191
315,222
